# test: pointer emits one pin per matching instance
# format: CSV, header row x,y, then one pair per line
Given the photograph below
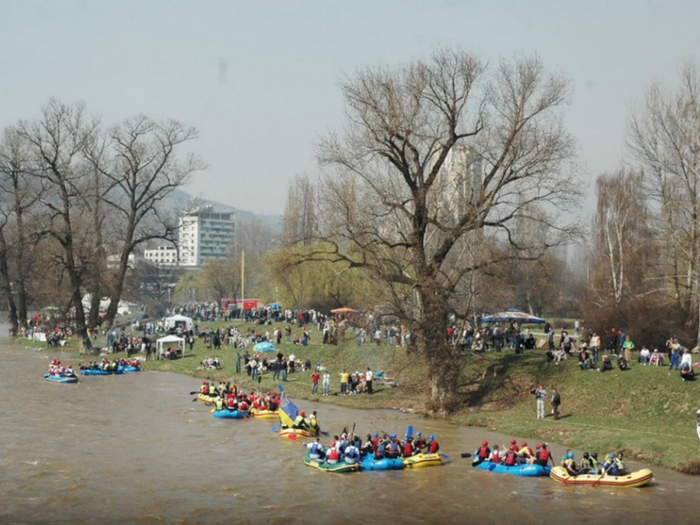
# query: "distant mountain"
x,y
182,198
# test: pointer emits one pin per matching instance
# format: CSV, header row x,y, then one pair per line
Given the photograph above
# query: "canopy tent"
x,y
512,316
169,340
343,310
275,306
264,346
179,321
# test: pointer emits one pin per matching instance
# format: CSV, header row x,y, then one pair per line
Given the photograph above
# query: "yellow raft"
x,y
206,399
634,479
264,414
298,432
423,460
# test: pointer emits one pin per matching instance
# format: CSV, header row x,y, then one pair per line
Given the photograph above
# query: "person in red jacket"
x,y
511,458
432,445
544,456
484,451
495,455
407,451
333,455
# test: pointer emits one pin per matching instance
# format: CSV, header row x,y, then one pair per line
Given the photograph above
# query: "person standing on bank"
x,y
368,381
698,428
540,395
556,402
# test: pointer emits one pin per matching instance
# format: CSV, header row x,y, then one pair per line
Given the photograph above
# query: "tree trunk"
x,y
22,266
6,288
116,296
444,360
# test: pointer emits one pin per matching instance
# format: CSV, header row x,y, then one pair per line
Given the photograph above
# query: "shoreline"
x,y
504,405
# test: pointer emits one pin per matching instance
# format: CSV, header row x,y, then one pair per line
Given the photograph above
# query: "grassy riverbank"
x,y
647,412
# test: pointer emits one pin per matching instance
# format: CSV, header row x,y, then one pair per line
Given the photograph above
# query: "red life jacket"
x,y
511,458
495,458
543,455
407,449
333,454
434,447
483,452
243,406
375,444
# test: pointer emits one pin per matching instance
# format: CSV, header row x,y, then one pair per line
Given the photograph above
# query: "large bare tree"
x,y
140,163
55,143
664,138
389,208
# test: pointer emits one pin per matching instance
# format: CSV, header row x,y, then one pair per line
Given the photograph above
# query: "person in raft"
x,y
544,456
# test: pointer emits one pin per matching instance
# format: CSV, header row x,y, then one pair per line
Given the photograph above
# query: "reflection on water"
x,y
135,449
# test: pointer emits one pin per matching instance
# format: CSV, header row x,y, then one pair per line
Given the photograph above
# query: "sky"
x,y
259,78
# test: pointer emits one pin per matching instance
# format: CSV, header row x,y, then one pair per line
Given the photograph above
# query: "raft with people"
x,y
525,471
341,467
638,478
100,372
297,432
60,379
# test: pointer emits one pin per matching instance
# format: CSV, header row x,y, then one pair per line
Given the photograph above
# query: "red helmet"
x,y
513,442
204,382
539,446
514,448
524,444
303,414
484,443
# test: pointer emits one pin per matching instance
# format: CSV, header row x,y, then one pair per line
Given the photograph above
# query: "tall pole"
x,y
242,279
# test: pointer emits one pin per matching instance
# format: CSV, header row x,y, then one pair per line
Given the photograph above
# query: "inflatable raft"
x,y
128,369
339,468
526,471
264,414
297,432
369,463
634,479
60,379
206,399
100,372
422,460
230,414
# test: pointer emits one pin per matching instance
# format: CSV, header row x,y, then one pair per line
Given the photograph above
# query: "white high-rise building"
x,y
162,256
205,233
459,181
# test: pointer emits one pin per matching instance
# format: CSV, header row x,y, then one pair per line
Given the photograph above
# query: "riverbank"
x,y
647,411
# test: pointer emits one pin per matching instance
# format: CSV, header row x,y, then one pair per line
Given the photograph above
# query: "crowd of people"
x,y
110,366
512,456
349,447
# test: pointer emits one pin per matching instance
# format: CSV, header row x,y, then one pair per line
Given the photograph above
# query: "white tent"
x,y
185,323
170,340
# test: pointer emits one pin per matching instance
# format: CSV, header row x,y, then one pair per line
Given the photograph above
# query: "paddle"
x,y
601,477
195,392
275,428
293,437
466,455
409,431
444,456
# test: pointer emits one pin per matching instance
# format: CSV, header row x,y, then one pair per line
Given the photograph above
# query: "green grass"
x,y
647,412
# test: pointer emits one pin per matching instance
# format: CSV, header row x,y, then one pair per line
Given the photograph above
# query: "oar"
x,y
601,477
275,428
293,437
195,392
409,431
466,455
444,456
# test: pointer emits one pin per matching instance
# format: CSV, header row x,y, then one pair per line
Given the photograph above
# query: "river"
x,y
136,449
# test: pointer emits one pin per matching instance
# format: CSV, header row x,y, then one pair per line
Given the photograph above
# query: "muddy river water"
x,y
136,449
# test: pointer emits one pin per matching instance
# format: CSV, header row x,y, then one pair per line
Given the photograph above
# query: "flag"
x,y
288,407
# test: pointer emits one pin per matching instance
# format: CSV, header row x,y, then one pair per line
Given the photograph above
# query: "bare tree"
x,y
139,160
384,194
19,193
623,239
664,138
300,213
56,142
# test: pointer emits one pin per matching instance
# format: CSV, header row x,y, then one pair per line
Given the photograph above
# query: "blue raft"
x,y
91,372
127,369
230,414
60,379
526,471
369,463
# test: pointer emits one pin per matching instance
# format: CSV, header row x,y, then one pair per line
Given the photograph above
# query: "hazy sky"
x,y
259,78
